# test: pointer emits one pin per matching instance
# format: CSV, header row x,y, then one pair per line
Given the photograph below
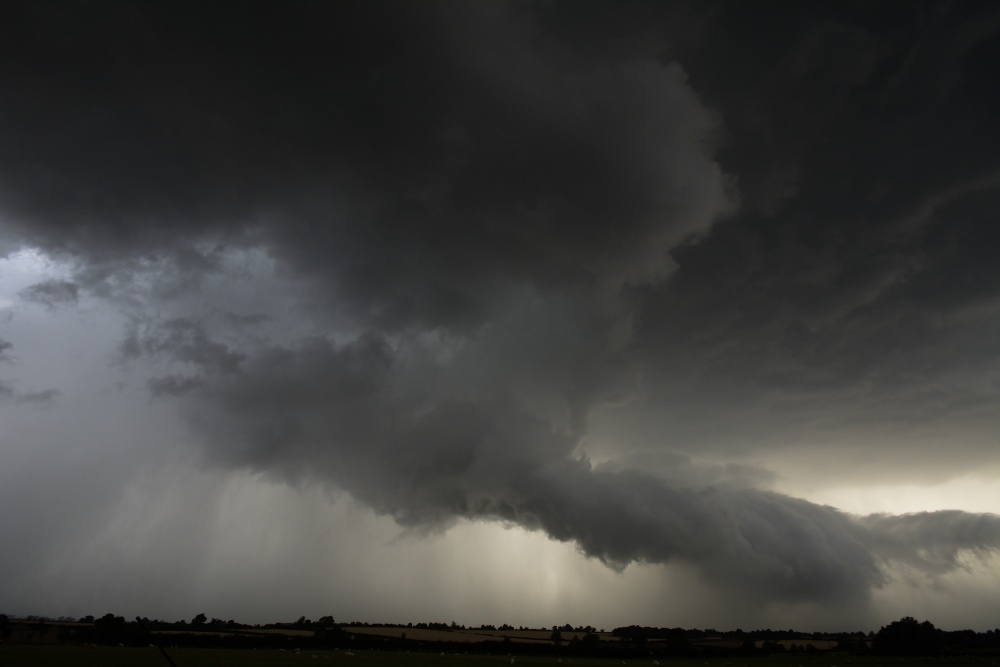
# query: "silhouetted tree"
x,y
110,629
908,636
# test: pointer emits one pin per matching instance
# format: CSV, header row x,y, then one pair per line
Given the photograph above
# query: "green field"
x,y
66,656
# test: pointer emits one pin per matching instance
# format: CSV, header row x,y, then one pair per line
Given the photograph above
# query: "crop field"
x,y
73,656
466,636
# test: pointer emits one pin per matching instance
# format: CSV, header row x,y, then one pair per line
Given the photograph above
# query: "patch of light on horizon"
x,y
970,494
977,492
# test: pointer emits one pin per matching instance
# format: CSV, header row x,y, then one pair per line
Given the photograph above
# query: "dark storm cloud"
x,y
181,340
52,293
239,321
412,158
498,219
172,385
376,425
933,541
861,293
764,545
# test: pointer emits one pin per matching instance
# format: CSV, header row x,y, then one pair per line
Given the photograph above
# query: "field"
x,y
467,635
71,656
545,637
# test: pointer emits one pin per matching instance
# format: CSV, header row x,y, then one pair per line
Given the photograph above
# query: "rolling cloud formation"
x,y
422,252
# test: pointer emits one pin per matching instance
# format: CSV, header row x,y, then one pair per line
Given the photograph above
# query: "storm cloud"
x,y
594,270
52,293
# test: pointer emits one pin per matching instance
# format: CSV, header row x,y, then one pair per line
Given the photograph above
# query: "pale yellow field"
x,y
468,636
419,634
819,644
537,635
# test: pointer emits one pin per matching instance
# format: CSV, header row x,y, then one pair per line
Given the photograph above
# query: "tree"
x,y
200,619
908,636
110,620
110,629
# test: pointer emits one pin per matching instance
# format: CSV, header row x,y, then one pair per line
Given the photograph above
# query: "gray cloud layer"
x,y
506,232
364,418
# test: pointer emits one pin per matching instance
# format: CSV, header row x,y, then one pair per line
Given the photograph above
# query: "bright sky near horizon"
x,y
600,313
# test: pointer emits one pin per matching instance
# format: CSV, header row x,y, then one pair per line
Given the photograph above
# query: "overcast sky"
x,y
676,314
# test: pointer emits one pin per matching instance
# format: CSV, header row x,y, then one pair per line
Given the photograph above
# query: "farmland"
x,y
84,656
111,641
471,635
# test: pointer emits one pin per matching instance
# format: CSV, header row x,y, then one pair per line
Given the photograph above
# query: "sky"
x,y
601,313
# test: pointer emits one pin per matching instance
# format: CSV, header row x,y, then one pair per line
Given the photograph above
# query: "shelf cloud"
x,y
616,274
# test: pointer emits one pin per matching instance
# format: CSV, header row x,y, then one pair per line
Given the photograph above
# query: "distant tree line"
x,y
110,629
906,636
